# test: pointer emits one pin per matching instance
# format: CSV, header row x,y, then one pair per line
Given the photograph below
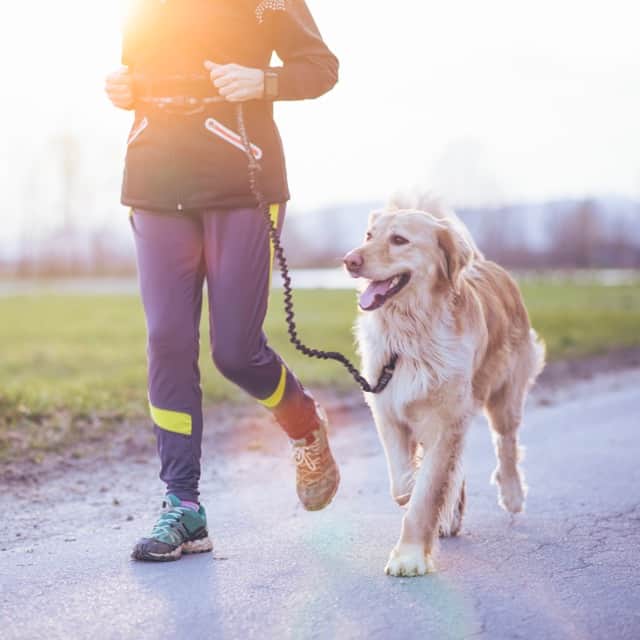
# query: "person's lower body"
x,y
230,249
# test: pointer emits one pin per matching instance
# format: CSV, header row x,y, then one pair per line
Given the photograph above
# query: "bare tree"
x,y
67,149
577,237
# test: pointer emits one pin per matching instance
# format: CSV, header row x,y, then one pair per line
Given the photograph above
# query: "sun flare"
x,y
68,39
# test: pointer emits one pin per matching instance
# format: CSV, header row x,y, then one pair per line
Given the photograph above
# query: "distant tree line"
x,y
578,237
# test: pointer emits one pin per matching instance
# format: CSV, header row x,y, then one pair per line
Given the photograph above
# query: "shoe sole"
x,y
203,545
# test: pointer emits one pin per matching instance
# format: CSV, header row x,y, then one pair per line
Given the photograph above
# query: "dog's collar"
x,y
386,374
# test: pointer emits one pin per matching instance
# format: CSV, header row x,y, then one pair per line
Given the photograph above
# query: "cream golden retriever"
x,y
464,343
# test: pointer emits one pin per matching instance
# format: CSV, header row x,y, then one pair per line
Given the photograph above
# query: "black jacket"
x,y
181,162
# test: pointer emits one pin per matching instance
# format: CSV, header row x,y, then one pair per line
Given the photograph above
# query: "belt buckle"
x,y
185,105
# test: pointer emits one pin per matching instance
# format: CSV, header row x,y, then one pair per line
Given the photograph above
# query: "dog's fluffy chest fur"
x,y
434,367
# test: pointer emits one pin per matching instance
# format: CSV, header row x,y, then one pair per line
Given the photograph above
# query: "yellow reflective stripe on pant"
x,y
174,421
274,214
276,397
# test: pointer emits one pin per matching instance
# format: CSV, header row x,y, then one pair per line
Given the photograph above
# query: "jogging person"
x,y
186,63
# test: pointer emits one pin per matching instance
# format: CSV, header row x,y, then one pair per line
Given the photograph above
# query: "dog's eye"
x,y
368,236
396,239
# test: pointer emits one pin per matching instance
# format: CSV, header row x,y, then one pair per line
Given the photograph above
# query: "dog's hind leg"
x,y
504,411
451,520
435,485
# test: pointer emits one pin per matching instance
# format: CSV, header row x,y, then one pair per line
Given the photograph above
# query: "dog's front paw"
x,y
409,560
511,491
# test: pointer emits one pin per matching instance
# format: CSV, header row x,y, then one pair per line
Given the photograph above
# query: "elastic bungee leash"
x,y
253,169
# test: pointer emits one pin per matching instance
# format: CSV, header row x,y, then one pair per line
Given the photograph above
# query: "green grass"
x,y
579,320
76,364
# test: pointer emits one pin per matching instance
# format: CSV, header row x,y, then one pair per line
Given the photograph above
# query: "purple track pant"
x,y
232,251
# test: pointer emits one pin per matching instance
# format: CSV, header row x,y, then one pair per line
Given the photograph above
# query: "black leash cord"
x,y
254,167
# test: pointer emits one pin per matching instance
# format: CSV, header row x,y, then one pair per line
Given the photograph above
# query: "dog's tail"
x,y
431,203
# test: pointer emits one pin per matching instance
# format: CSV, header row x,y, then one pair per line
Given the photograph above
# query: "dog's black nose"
x,y
353,261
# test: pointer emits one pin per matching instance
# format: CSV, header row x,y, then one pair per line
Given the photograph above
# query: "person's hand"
x,y
119,88
236,83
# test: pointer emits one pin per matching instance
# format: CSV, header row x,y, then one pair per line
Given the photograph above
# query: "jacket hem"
x,y
231,202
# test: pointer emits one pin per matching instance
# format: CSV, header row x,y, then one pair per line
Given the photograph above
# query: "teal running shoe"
x,y
178,530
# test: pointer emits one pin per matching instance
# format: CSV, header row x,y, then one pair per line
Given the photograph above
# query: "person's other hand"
x,y
119,88
236,83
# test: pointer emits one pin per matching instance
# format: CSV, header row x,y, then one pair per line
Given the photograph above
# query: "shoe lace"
x,y
307,455
169,518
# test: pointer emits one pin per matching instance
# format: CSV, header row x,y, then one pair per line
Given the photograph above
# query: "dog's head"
x,y
407,251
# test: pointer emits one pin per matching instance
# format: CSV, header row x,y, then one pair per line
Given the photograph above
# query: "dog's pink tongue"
x,y
373,296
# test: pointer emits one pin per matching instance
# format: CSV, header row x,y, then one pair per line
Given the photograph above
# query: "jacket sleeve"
x,y
129,25
309,68
135,22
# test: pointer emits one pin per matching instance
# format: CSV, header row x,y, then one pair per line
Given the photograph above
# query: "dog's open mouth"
x,y
379,291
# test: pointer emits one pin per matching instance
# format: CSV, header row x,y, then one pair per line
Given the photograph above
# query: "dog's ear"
x,y
456,254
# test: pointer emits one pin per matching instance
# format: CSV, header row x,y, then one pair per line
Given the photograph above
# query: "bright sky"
x,y
486,101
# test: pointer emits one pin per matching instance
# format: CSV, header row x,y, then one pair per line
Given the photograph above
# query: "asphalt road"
x,y
567,568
